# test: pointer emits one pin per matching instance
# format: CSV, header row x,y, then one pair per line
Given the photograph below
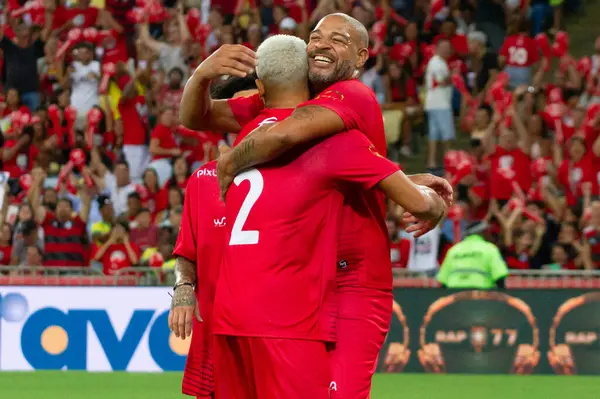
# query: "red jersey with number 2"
x,y
201,239
278,273
363,263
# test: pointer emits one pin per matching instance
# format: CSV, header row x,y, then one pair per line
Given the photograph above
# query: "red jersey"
x,y
515,164
115,49
18,164
283,221
201,240
133,111
65,244
116,257
368,261
165,137
520,50
571,176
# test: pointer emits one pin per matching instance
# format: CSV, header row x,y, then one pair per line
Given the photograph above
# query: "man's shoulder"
x,y
345,87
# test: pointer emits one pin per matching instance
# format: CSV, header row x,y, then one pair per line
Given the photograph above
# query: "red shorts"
x,y
362,325
271,368
198,373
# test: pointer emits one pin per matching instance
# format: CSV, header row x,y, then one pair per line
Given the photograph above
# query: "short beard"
x,y
320,82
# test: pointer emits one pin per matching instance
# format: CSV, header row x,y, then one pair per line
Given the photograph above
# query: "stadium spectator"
x,y
483,65
163,144
438,102
65,234
20,60
83,77
144,233
101,229
6,243
118,252
134,207
34,256
25,236
122,188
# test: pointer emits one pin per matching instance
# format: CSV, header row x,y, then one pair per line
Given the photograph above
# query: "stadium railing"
x,y
518,279
151,276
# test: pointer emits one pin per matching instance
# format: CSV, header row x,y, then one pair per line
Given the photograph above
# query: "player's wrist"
x,y
183,284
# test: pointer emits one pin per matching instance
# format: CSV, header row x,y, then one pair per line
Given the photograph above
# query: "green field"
x,y
76,385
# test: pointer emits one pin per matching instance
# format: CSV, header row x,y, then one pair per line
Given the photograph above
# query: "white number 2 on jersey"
x,y
239,236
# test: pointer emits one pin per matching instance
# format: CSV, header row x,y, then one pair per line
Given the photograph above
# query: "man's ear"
x,y
363,56
260,87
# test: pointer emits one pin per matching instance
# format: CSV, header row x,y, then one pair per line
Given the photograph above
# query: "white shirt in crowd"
x,y
423,254
84,94
437,97
118,196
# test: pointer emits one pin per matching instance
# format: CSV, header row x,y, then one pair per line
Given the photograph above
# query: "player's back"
x,y
278,274
266,115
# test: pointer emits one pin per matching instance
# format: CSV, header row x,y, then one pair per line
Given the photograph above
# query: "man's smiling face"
x,y
335,51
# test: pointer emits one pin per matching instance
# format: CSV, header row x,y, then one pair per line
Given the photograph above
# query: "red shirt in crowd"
x,y
572,175
115,49
459,43
22,109
520,50
17,165
133,123
116,257
65,244
516,165
515,260
80,17
166,138
401,94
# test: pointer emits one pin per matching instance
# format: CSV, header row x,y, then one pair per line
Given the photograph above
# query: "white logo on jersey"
x,y
220,222
206,172
268,120
333,386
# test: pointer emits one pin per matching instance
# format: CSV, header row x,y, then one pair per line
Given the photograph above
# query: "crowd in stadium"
x,y
98,164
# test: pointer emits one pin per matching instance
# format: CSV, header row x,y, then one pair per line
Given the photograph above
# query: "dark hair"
x,y
228,87
27,227
487,109
122,161
144,210
86,45
135,195
107,161
177,70
570,93
67,200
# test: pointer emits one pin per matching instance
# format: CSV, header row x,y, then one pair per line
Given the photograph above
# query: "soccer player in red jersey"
x,y
265,318
199,250
336,51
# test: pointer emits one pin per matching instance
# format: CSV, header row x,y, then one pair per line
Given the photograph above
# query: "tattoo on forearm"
x,y
184,296
243,154
185,271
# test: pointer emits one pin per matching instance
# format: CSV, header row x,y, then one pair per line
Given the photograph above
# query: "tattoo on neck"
x,y
242,154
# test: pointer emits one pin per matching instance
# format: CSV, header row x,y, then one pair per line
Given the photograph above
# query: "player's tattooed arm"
x,y
184,306
185,271
268,142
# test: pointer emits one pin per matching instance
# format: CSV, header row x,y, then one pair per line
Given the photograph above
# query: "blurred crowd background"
x,y
484,92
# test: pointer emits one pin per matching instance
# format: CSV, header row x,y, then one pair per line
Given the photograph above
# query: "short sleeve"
x,y
245,109
186,239
497,265
345,99
158,132
354,159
